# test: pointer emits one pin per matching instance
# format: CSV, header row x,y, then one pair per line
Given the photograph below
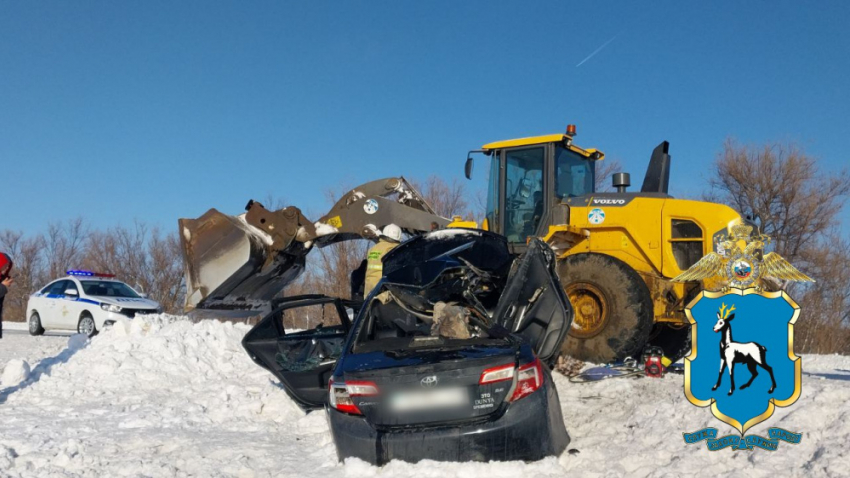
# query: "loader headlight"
x,y
110,307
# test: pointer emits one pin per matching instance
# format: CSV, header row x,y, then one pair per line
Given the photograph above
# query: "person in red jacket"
x,y
5,282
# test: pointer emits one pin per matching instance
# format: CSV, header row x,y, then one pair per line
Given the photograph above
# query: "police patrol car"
x,y
86,302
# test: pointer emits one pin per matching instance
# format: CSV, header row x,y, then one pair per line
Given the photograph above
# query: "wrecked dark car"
x,y
447,359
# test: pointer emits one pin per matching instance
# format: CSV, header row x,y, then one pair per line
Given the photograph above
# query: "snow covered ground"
x,y
171,398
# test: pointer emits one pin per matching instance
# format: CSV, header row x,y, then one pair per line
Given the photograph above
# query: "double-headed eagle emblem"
x,y
741,261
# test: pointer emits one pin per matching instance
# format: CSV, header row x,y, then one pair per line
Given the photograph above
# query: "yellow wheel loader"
x,y
617,251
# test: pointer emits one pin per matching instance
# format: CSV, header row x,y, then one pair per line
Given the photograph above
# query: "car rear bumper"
x,y
530,429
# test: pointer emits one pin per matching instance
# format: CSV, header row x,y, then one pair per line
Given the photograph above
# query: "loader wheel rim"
x,y
590,307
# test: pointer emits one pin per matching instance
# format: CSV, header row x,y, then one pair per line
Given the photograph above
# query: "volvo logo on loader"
x,y
429,382
609,202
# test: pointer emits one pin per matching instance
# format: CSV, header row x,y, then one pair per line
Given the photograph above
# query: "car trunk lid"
x,y
435,386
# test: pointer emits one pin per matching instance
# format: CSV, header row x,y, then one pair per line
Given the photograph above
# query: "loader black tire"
x,y
613,308
674,340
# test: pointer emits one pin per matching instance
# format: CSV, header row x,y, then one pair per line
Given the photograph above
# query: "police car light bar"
x,y
88,274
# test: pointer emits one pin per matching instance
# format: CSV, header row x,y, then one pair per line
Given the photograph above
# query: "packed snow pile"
x,y
168,397
160,396
15,372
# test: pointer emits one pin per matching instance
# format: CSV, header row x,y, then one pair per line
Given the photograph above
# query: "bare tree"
x,y
823,325
64,244
448,199
782,189
273,202
603,175
143,257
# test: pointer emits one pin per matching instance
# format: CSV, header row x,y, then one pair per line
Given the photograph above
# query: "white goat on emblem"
x,y
751,353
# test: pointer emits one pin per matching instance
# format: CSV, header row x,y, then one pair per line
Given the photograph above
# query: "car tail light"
x,y
340,394
361,389
497,374
529,380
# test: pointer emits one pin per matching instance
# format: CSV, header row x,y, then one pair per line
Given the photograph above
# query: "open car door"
x,y
533,304
303,361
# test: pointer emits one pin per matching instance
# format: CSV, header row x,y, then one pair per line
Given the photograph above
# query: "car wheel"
x,y
35,324
86,325
612,306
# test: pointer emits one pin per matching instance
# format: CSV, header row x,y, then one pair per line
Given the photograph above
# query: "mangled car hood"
x,y
419,260
474,269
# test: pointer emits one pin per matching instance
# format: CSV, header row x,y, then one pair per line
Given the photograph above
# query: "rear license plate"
x,y
431,399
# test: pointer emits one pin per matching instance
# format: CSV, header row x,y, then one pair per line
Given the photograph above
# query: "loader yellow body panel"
x,y
641,233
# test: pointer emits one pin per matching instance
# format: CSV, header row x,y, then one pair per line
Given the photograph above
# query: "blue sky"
x,y
157,110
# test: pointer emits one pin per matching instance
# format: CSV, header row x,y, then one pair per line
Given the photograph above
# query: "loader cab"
x,y
529,179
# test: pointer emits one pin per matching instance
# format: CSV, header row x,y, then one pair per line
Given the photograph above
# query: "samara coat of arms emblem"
x,y
742,362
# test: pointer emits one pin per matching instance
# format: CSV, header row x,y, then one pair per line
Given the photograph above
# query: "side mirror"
x,y
71,292
467,168
143,295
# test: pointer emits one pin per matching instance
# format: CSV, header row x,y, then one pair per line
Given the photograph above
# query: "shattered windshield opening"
x,y
403,322
441,291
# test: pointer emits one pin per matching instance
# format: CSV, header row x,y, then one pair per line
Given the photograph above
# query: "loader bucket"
x,y
236,265
232,268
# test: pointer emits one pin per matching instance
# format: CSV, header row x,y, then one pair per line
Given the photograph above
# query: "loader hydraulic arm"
x,y
358,214
236,265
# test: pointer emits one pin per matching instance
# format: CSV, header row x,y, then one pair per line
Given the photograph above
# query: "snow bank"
x,y
167,397
633,427
159,396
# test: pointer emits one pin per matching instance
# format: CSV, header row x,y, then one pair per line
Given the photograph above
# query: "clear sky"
x,y
157,110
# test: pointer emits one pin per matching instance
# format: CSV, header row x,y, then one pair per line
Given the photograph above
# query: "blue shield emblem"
x,y
742,361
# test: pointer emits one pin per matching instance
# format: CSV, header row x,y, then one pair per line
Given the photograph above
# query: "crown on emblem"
x,y
742,231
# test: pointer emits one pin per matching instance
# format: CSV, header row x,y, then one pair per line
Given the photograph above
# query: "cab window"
x,y
523,192
575,175
686,240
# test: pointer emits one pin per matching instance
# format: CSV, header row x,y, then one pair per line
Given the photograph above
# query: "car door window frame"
x,y
263,344
60,286
71,285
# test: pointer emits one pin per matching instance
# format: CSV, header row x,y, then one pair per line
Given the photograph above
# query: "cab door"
x,y
533,304
303,360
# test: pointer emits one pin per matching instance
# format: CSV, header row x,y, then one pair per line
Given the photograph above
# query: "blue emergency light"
x,y
88,274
